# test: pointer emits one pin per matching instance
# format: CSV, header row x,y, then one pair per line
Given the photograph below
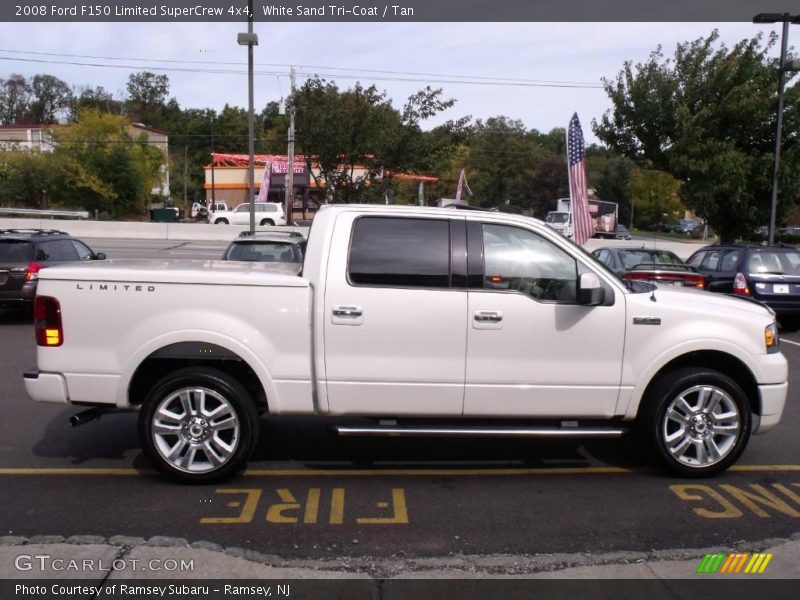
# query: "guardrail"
x,y
32,212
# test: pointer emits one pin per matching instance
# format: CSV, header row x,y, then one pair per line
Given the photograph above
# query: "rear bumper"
x,y
21,297
773,399
46,387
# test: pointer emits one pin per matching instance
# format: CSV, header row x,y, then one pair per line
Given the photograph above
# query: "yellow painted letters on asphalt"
x,y
729,510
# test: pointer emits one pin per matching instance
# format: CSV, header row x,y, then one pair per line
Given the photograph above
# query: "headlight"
x,y
771,339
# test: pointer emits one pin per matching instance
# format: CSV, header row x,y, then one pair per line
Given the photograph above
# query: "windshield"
x,y
773,261
557,217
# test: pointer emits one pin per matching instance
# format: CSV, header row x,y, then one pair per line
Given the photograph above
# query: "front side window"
x,y
83,251
520,260
400,252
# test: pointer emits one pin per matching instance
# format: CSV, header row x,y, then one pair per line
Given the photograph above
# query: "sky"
x,y
423,53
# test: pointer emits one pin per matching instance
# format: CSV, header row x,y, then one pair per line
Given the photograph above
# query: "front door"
x,y
531,349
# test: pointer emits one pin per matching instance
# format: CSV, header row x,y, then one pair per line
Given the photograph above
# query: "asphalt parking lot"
x,y
309,494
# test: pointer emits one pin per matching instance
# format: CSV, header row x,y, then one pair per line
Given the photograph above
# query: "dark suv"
x,y
770,274
24,252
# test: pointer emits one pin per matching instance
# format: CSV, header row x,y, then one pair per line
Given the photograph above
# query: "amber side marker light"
x,y
47,321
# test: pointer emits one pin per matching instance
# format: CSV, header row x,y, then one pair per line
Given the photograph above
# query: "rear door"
x,y
395,315
15,255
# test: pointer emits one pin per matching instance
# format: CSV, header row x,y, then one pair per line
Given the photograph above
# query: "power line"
x,y
408,76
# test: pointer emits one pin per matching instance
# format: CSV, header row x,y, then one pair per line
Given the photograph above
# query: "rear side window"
x,y
14,251
729,261
57,250
400,252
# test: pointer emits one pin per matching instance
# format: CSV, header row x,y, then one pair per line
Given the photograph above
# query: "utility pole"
x,y
250,39
213,185
290,159
783,68
185,174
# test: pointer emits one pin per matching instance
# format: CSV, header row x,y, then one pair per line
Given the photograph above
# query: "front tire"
x,y
221,222
198,425
697,421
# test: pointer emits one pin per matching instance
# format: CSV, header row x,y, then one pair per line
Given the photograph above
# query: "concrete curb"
x,y
211,561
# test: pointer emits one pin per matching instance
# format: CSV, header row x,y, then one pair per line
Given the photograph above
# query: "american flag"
x,y
263,191
582,225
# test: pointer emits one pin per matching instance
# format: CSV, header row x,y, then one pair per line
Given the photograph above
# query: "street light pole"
x,y
785,18
250,39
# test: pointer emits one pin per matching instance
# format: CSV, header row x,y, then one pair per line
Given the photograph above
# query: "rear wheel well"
x,y
184,355
718,361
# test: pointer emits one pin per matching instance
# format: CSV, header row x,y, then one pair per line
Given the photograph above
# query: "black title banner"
x,y
372,11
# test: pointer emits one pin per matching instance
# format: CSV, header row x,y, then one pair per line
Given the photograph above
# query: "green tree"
x,y
655,197
147,95
42,180
340,130
105,149
15,96
52,98
707,116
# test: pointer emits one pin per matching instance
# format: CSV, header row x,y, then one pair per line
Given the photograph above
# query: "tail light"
x,y
32,272
47,321
740,285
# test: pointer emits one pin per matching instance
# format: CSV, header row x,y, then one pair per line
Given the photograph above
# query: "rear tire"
x,y
266,222
696,421
198,425
221,222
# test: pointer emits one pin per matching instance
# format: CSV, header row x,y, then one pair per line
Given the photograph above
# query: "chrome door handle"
x,y
488,316
347,311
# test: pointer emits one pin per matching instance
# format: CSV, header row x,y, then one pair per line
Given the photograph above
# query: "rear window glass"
x,y
631,258
14,251
266,252
771,261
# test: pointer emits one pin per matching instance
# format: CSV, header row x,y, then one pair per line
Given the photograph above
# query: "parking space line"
x,y
784,340
89,471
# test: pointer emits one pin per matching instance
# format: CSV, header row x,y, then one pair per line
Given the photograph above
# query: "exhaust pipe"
x,y
86,416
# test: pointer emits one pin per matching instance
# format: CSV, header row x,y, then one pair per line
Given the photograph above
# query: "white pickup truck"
x,y
430,322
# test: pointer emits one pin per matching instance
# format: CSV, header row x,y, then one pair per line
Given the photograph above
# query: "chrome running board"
x,y
524,432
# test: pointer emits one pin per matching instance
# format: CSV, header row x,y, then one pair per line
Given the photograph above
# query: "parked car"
x,y
423,321
214,208
267,213
770,274
24,252
645,264
623,233
268,246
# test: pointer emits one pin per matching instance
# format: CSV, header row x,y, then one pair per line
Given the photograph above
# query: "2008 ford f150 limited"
x,y
431,321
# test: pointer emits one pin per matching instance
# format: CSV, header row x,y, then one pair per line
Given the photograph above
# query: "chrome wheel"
x,y
701,426
195,429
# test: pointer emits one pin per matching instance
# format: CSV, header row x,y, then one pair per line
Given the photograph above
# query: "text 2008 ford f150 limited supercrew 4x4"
x,y
431,321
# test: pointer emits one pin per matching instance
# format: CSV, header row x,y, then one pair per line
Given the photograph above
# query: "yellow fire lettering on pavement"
x,y
248,507
400,511
312,506
729,511
763,496
275,513
337,506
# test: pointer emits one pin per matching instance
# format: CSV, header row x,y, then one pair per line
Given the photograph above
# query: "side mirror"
x,y
100,256
590,290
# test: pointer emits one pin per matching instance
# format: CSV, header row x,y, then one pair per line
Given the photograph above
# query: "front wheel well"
x,y
711,359
184,355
